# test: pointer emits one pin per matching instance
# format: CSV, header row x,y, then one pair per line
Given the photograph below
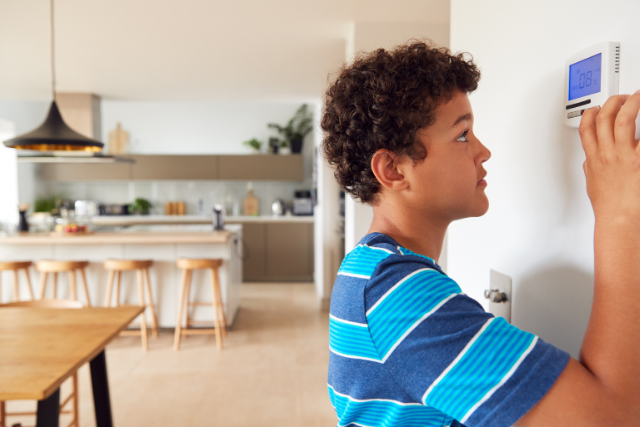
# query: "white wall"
x,y
326,237
365,37
8,175
24,116
539,228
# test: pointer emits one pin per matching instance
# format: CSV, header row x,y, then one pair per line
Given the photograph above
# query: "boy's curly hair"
x,y
381,100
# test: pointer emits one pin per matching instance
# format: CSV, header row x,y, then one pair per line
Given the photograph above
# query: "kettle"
x,y
277,207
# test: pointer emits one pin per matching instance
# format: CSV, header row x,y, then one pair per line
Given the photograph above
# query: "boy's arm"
x,y
604,387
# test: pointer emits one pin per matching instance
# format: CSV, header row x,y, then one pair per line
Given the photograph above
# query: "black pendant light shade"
x,y
54,135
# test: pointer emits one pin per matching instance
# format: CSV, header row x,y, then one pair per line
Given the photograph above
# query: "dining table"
x,y
41,347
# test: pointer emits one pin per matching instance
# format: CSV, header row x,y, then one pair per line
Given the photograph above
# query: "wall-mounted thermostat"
x,y
591,77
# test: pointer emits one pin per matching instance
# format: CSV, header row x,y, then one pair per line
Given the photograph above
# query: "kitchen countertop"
x,y
195,219
133,237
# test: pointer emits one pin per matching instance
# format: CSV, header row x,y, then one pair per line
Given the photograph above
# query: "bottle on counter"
x,y
218,218
23,225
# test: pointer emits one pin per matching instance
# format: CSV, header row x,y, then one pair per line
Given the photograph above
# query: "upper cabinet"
x,y
261,167
182,167
156,167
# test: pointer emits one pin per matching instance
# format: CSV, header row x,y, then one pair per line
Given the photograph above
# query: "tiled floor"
x,y
271,372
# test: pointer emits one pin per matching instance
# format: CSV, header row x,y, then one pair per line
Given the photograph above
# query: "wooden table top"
x,y
140,238
41,347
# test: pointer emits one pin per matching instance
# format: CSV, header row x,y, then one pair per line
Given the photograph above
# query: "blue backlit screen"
x,y
584,77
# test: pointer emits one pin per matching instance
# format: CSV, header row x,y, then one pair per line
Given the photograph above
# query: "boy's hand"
x,y
612,167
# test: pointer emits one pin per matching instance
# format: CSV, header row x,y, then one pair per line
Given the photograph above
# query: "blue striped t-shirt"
x,y
408,348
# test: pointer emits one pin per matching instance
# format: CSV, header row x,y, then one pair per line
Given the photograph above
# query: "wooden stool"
x,y
188,265
73,396
116,267
48,266
16,266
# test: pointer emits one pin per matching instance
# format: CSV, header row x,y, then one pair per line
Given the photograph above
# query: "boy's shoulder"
x,y
377,252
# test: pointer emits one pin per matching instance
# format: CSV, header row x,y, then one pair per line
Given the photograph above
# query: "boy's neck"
x,y
412,231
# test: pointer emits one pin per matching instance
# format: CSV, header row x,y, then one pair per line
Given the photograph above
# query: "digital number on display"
x,y
585,77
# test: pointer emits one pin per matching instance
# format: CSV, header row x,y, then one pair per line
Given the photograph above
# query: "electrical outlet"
x,y
499,295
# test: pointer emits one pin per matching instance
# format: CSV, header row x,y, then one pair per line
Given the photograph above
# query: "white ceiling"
x,y
188,50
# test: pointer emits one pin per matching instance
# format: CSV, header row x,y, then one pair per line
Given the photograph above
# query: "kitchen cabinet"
x,y
278,252
254,260
182,167
71,172
174,167
261,167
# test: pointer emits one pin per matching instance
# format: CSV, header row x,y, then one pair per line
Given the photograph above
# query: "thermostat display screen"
x,y
584,77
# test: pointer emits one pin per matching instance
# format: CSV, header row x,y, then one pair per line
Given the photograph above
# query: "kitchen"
x,y
225,179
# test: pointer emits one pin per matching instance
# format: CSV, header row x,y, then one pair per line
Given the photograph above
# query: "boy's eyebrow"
x,y
461,118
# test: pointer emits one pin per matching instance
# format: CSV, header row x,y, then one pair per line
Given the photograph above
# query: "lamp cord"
x,y
53,55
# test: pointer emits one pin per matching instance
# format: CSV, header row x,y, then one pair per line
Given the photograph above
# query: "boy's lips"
x,y
482,180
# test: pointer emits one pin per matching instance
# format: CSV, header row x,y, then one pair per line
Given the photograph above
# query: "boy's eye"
x,y
463,137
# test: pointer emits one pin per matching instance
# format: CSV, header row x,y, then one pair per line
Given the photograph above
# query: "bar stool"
x,y
16,266
188,265
115,268
49,266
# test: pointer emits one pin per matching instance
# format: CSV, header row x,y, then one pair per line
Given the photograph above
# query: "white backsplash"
x,y
160,192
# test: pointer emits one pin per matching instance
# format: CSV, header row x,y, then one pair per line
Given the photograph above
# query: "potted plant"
x,y
254,144
140,206
274,145
285,147
296,129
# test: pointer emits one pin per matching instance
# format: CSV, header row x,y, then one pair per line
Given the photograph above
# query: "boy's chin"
x,y
481,208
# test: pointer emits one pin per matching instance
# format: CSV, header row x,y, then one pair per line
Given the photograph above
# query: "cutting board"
x,y
118,141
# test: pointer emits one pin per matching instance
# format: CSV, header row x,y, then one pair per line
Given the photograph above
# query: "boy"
x,y
408,348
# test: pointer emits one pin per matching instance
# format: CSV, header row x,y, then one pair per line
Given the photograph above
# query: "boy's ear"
x,y
385,167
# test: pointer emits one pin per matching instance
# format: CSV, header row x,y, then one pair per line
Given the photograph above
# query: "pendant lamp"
x,y
54,134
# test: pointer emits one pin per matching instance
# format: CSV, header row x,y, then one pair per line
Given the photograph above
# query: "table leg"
x,y
101,399
48,414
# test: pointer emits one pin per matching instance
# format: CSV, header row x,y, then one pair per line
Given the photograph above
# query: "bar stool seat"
x,y
46,267
16,266
188,265
115,268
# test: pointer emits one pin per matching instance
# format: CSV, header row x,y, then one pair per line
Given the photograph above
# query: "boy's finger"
x,y
588,131
624,129
606,120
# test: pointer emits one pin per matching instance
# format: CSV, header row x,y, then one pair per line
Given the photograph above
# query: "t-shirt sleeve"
x,y
445,351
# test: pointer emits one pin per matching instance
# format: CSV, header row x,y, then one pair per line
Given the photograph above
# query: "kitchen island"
x,y
162,244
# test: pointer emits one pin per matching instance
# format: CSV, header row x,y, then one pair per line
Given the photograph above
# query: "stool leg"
x,y
220,302
26,273
16,286
186,275
55,285
118,275
84,284
43,284
188,302
72,285
214,300
154,320
3,419
143,315
107,301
